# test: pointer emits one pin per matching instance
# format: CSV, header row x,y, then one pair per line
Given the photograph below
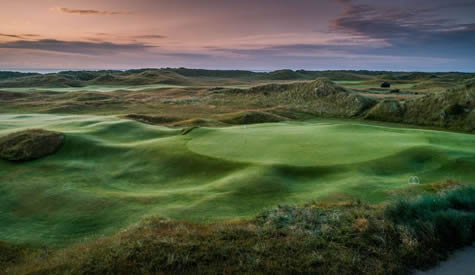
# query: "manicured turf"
x,y
322,144
112,172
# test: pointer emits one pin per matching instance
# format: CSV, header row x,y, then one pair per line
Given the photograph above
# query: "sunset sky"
x,y
410,35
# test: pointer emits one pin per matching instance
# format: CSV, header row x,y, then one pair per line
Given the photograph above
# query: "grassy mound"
x,y
188,130
344,238
198,122
282,75
30,144
85,78
84,96
11,254
387,110
325,87
146,91
321,87
9,75
453,109
6,96
112,172
152,119
250,117
320,96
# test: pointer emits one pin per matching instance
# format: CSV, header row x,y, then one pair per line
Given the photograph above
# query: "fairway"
x,y
113,172
94,88
112,88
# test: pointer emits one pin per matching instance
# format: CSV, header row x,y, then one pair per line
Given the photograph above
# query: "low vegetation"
x,y
250,117
29,144
10,75
327,238
184,76
447,219
202,98
152,119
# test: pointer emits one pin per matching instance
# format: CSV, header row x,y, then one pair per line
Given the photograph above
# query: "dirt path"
x,y
461,263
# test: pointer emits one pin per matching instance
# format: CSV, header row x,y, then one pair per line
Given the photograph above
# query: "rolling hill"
x,y
111,172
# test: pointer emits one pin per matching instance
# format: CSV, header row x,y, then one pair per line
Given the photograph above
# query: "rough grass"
x,y
446,103
344,238
11,254
251,117
321,97
448,218
454,109
152,119
197,76
30,144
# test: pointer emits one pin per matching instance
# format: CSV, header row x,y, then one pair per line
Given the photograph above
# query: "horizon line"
x,y
57,70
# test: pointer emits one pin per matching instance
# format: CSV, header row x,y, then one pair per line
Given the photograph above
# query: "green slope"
x,y
111,172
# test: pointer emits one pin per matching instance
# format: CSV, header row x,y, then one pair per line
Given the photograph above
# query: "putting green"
x,y
319,144
93,88
111,88
111,173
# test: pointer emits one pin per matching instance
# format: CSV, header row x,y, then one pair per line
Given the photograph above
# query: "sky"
x,y
400,35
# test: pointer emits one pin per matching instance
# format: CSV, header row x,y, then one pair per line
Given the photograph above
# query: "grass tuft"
x,y
342,238
30,144
447,218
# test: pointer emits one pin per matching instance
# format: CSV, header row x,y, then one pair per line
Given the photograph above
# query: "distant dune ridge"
x,y
454,108
445,100
181,76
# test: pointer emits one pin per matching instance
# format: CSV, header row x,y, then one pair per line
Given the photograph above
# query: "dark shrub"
x,y
30,144
449,218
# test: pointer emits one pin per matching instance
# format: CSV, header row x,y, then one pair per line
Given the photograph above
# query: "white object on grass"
x,y
414,180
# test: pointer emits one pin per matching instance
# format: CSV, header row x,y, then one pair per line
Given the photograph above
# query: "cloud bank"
x,y
92,12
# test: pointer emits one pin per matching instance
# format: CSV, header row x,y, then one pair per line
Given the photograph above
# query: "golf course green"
x,y
110,88
94,88
112,172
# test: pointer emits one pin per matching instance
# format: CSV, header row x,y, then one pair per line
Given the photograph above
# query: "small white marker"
x,y
414,180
